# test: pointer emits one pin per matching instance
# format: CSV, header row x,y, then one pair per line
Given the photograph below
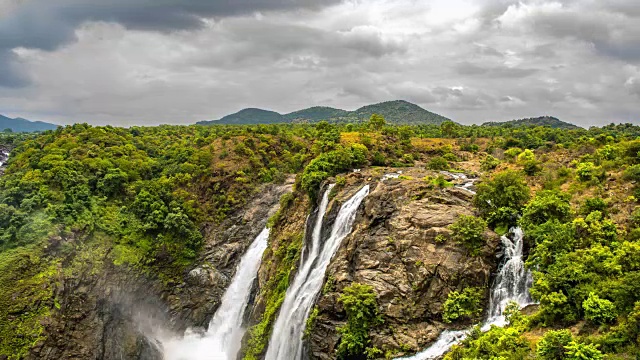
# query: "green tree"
x,y
377,122
552,345
465,305
360,304
507,189
469,231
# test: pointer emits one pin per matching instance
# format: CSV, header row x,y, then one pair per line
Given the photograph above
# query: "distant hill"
x,y
395,112
315,114
399,112
249,116
24,125
539,121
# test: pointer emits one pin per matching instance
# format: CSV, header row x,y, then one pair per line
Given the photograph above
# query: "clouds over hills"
x,y
144,61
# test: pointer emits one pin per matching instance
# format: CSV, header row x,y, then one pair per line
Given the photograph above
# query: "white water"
x,y
4,155
223,339
512,284
286,340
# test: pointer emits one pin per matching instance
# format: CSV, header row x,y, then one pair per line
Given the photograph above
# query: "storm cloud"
x,y
167,61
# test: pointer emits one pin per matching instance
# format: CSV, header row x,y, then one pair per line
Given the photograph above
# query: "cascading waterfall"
x,y
4,155
512,284
286,338
223,339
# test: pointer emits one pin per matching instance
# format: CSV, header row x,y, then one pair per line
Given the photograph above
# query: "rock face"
x,y
393,249
107,310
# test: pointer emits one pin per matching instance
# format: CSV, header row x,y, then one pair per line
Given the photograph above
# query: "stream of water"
x,y
286,339
223,338
512,284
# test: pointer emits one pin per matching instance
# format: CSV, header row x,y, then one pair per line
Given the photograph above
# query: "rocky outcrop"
x,y
106,310
393,249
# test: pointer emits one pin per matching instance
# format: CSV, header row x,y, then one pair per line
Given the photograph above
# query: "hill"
x,y
249,116
399,112
24,125
315,114
395,112
549,121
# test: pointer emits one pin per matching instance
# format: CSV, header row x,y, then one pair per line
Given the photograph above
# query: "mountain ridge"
x,y
395,112
23,125
546,120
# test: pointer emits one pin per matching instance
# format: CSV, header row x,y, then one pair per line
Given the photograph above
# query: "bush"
x,y
526,156
531,167
632,173
552,345
506,189
597,310
450,157
360,304
330,164
489,163
594,204
511,154
586,171
547,205
438,163
580,351
466,305
469,231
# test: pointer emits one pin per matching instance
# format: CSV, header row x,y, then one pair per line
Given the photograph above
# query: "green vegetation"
x,y
360,304
144,199
438,163
469,232
465,305
501,198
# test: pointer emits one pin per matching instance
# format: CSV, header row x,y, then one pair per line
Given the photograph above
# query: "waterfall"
x,y
512,284
4,155
223,339
286,338
513,281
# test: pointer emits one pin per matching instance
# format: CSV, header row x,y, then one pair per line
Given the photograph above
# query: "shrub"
x,y
586,171
489,163
511,154
360,304
597,310
593,204
547,205
469,231
531,167
450,157
506,189
552,345
438,163
441,182
465,305
581,351
526,156
632,173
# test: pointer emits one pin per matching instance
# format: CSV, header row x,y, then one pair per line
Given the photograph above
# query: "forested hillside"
x,y
395,112
147,206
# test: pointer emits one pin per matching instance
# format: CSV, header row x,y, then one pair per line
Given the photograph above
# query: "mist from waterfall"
x,y
223,339
286,339
512,284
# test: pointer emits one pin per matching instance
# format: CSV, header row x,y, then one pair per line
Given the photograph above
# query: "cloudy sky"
x,y
125,62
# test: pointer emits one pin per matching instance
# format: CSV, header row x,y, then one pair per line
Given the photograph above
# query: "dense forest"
x,y
79,198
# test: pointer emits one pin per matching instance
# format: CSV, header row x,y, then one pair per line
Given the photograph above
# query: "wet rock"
x,y
392,248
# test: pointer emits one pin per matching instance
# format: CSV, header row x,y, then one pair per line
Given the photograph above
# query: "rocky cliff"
x,y
114,312
393,249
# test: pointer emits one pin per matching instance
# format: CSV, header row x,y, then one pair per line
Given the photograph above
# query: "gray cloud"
x,y
150,62
49,24
468,68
